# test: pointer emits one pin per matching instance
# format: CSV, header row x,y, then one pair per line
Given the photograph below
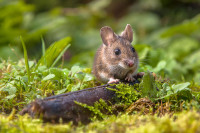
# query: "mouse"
x,y
116,59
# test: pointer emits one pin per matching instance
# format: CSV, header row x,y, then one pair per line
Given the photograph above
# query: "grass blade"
x,y
43,49
26,59
43,46
53,52
60,55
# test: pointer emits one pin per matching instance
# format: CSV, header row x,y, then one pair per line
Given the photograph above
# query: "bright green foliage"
x,y
16,91
26,60
184,122
100,109
126,94
54,52
155,90
178,91
187,28
11,19
148,86
25,81
173,51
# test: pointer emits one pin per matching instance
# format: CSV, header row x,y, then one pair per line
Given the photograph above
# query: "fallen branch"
x,y
62,106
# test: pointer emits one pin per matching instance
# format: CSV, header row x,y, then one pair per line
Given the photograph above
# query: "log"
x,y
51,109
54,108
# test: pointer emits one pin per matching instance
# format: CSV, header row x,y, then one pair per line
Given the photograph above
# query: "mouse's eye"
x,y
132,49
117,51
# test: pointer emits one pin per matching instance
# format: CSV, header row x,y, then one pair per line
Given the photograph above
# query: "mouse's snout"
x,y
129,63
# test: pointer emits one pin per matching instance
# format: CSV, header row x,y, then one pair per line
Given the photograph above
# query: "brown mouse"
x,y
116,59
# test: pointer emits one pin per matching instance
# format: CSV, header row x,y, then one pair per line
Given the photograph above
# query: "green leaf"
x,y
74,70
76,87
43,49
61,91
10,89
31,64
10,96
180,87
57,72
179,91
65,73
161,65
60,55
48,77
26,59
147,86
43,46
54,52
80,76
88,77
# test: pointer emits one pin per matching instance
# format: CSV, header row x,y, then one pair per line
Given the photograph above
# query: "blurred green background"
x,y
166,32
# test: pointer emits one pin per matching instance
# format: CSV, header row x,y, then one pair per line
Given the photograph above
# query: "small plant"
x,y
99,110
26,80
126,94
148,86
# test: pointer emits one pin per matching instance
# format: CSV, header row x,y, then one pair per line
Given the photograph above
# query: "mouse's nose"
x,y
130,63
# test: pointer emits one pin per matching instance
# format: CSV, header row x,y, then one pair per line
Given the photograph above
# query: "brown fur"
x,y
106,62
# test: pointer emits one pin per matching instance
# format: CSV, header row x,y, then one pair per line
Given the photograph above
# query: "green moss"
x,y
99,110
125,93
186,121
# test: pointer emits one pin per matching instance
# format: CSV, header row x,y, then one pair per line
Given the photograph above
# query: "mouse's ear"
x,y
128,33
107,35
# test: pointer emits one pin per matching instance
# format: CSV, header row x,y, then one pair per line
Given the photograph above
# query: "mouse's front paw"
x,y
130,78
111,80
